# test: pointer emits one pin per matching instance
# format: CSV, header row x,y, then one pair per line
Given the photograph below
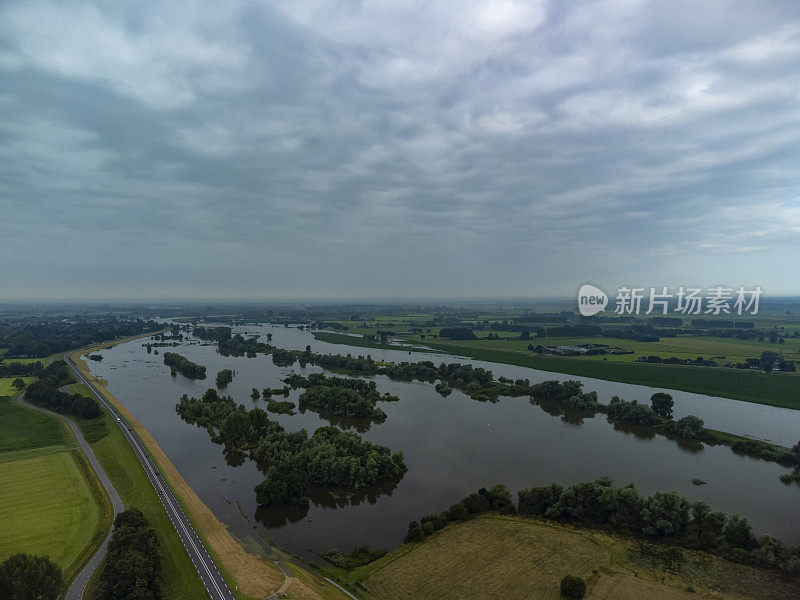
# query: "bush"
x,y
573,587
358,557
458,512
415,534
689,427
536,501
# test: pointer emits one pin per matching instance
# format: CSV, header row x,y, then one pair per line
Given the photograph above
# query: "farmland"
x,y
623,364
47,506
495,557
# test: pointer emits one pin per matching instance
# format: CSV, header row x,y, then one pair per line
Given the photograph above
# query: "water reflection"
x,y
569,416
275,517
359,425
640,432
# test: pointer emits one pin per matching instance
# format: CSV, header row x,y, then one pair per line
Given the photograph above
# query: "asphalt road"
x,y
209,574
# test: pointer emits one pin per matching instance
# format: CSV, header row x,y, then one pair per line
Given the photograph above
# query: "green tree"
x,y
739,533
224,377
706,528
415,534
133,563
29,577
18,383
768,360
536,501
689,427
665,514
458,512
662,404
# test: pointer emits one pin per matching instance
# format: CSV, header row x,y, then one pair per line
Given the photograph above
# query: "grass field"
x,y
733,350
46,360
6,389
51,501
21,428
47,507
496,558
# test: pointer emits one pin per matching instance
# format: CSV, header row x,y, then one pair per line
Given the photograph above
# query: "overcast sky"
x,y
397,149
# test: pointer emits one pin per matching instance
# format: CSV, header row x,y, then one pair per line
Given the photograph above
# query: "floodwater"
x,y
452,446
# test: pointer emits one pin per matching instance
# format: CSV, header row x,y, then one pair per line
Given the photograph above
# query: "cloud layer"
x,y
397,149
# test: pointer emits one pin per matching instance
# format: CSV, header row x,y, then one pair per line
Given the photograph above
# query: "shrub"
x,y
573,587
458,512
689,427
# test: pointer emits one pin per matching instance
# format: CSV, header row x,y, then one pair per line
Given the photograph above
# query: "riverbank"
x,y
249,575
776,389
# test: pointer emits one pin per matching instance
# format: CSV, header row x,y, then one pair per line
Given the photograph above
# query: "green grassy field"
x,y
45,360
47,507
51,501
21,428
6,389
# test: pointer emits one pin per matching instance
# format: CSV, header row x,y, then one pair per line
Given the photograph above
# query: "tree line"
x,y
290,461
663,516
233,345
495,499
181,364
480,384
133,563
46,393
240,346
18,369
49,335
658,417
212,334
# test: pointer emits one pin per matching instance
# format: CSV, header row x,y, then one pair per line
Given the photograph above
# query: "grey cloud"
x,y
343,149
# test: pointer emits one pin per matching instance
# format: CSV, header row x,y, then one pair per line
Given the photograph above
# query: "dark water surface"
x,y
452,446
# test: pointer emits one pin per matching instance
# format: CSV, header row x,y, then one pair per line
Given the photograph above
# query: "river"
x,y
452,446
